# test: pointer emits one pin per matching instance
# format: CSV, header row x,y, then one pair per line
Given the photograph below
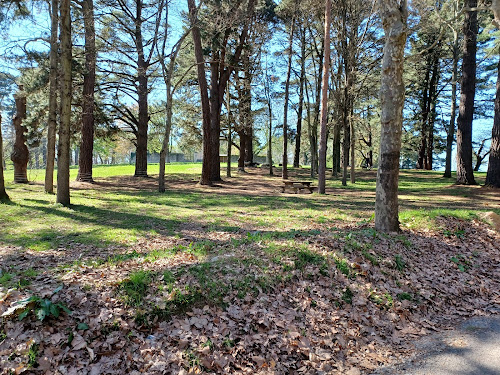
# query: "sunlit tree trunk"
x,y
394,17
20,154
52,120
493,175
63,158
87,143
324,101
453,111
284,174
4,197
465,174
300,110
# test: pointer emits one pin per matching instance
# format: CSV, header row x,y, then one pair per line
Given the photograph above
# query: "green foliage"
x,y
33,352
347,295
343,266
404,296
399,263
135,287
42,308
463,264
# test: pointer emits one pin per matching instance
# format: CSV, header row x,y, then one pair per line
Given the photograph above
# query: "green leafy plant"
x,y
399,263
42,307
33,355
347,295
463,264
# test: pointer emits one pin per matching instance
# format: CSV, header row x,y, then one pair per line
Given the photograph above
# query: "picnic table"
x,y
297,186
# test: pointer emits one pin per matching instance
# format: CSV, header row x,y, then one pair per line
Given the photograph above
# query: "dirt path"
x,y
472,349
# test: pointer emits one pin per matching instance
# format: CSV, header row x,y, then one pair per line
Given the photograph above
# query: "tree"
x,y
132,34
20,153
63,158
324,101
394,16
89,77
52,120
465,174
493,174
284,173
4,197
222,64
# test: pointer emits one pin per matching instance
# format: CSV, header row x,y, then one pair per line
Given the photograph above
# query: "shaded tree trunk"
x,y
296,159
450,137
324,101
20,154
4,197
229,134
87,143
465,174
52,120
394,17
141,157
212,105
63,158
493,175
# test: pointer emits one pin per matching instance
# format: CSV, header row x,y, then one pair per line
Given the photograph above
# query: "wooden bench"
x,y
297,186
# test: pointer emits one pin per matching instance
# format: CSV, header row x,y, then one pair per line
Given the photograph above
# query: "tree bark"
x,y
493,174
20,154
284,173
394,17
87,143
229,134
141,157
52,120
4,197
296,159
450,137
324,100
63,158
465,174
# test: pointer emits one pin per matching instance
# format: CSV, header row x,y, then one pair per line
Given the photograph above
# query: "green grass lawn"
x,y
114,215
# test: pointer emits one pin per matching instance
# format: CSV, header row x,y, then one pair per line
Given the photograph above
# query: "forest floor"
x,y
238,278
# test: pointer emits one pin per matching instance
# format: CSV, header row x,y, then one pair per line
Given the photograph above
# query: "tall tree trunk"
x,y
324,100
493,175
465,174
4,197
336,149
52,121
87,143
229,134
353,145
453,111
202,82
433,97
425,116
270,142
287,96
141,156
296,159
20,154
63,194
394,16
166,137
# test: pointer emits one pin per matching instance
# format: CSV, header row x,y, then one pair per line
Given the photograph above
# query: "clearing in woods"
x,y
237,278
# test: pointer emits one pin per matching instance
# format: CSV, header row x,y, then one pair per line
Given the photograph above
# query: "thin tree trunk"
x,y
353,145
87,144
453,112
394,16
465,174
296,159
20,154
284,174
324,101
229,136
4,197
493,175
52,120
63,194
